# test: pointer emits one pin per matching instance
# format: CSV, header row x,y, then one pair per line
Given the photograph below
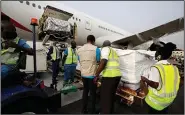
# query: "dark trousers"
x,y
89,86
107,94
153,111
55,69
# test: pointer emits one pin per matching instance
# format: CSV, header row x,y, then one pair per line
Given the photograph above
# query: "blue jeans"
x,y
69,72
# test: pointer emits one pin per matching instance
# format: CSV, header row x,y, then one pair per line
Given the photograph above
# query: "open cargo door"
x,y
54,25
57,13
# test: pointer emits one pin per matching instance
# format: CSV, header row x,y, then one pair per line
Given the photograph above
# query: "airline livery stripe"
x,y
17,24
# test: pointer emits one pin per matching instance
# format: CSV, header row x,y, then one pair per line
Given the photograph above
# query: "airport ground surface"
x,y
71,103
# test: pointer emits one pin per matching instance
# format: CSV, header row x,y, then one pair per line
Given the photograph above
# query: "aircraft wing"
x,y
151,34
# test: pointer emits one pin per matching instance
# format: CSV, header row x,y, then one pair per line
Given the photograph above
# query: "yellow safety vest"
x,y
54,54
160,99
112,68
9,56
71,57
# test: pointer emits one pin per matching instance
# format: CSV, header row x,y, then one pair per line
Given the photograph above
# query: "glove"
x,y
9,44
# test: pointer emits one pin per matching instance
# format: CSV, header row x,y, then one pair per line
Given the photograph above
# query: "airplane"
x,y
21,13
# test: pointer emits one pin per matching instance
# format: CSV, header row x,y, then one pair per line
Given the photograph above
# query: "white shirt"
x,y
153,74
105,53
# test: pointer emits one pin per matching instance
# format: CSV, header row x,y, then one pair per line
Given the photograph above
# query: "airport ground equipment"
x,y
54,26
23,93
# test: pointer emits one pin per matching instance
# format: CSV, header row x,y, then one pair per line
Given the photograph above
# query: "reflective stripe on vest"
x,y
54,54
160,99
112,68
9,56
71,57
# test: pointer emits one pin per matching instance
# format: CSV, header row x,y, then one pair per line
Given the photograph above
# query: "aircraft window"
x,y
33,5
28,3
79,20
39,6
21,1
76,19
73,18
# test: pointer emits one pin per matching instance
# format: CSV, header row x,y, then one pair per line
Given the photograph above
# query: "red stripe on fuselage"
x,y
17,24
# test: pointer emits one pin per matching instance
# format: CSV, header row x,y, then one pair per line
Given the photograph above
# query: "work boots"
x,y
65,83
54,83
69,82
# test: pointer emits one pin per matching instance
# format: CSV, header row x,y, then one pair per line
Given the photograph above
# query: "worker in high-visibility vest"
x,y
162,80
54,55
111,75
11,46
69,62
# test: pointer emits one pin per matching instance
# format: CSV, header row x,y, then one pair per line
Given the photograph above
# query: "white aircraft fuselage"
x,y
21,13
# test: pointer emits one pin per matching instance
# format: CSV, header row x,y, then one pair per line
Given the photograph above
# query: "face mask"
x,y
73,47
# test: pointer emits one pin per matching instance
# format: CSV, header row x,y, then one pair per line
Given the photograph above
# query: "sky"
x,y
134,16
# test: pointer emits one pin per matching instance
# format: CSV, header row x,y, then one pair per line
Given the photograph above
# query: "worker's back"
x,y
87,57
170,79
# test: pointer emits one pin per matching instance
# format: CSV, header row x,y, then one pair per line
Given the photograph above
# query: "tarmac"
x,y
71,103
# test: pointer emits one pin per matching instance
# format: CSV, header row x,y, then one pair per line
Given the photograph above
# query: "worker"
x,y
156,46
89,56
54,55
11,46
162,80
69,62
111,75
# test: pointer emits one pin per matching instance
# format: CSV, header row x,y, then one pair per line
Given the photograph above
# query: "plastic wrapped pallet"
x,y
132,65
53,24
